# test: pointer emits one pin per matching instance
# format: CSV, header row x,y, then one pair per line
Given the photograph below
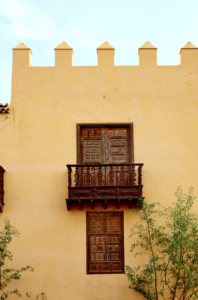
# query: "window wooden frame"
x,y
99,125
105,266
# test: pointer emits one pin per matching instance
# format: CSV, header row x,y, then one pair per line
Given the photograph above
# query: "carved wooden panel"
x,y
118,145
105,192
105,249
105,145
92,151
91,145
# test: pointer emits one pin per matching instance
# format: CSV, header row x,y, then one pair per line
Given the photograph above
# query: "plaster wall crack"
x,y
11,121
99,283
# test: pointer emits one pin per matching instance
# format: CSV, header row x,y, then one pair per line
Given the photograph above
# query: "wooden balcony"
x,y
1,188
104,183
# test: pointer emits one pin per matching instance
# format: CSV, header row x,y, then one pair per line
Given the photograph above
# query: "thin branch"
x,y
156,290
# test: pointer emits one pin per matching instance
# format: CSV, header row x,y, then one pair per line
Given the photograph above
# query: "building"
x,y
122,131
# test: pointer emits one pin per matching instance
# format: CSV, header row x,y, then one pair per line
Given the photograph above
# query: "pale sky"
x,y
85,24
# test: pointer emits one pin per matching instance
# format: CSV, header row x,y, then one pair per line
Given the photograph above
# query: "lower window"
x,y
105,243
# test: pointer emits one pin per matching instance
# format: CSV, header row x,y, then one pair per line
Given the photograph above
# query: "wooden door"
x,y
105,248
105,145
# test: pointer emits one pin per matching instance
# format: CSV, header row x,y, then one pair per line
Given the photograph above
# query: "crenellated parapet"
x,y
22,55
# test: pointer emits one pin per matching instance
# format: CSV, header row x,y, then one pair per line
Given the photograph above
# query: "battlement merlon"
x,y
63,55
105,55
22,55
189,55
147,55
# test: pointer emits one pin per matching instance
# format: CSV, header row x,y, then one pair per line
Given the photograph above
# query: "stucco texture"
x,y
38,138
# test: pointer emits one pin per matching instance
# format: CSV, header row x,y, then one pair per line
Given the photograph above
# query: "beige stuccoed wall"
x,y
38,138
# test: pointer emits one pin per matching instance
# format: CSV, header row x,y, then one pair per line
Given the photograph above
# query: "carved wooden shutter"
x,y
105,145
105,248
91,145
118,146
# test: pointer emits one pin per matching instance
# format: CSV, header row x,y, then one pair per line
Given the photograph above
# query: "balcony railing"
x,y
107,182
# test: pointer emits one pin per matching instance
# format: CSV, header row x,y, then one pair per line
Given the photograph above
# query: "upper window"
x,y
104,144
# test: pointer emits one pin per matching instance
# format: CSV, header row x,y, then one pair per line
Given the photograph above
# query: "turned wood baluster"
x,y
81,177
128,177
69,177
140,175
100,175
94,176
76,176
133,174
105,177
88,176
122,175
111,176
